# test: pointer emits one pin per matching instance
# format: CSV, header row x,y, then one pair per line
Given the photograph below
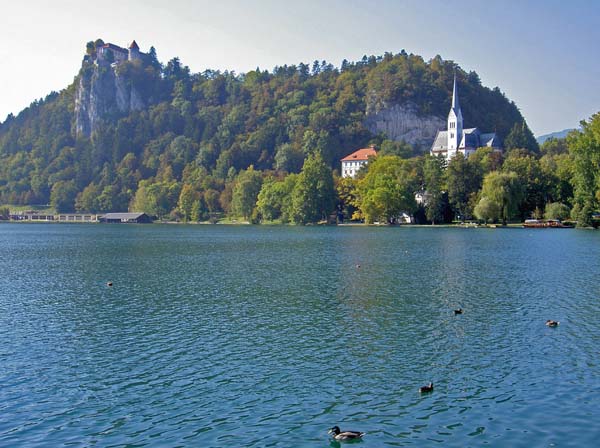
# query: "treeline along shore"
x,y
134,134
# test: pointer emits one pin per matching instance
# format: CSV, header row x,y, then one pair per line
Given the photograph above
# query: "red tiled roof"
x,y
361,154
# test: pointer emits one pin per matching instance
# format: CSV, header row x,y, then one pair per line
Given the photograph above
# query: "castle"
x,y
455,139
111,53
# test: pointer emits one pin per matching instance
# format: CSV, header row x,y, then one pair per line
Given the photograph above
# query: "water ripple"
x,y
219,336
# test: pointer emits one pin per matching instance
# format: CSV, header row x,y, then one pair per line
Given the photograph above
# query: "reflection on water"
x,y
268,336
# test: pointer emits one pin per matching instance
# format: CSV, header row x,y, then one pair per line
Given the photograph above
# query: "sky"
x,y
542,54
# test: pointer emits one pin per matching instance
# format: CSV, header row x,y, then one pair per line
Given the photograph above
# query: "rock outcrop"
x,y
103,94
402,122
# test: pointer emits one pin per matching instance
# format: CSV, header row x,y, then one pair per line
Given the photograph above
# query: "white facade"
x,y
455,139
352,163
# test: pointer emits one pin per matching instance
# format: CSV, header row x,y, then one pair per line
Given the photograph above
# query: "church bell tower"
x,y
455,123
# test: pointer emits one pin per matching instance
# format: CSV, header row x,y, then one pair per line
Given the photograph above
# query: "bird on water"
x,y
552,323
458,311
425,389
345,435
109,284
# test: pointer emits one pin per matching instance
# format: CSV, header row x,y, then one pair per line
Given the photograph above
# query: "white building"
x,y
355,161
458,140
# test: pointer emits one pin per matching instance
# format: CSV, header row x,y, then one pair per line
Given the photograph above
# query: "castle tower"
x,y
455,123
134,51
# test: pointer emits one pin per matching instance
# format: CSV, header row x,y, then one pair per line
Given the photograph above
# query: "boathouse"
x,y
129,218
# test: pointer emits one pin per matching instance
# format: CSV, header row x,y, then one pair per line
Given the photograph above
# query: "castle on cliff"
x,y
113,54
455,139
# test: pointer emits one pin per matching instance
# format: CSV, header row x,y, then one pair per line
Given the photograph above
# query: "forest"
x,y
265,146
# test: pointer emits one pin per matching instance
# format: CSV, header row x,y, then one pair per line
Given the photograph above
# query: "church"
x,y
458,140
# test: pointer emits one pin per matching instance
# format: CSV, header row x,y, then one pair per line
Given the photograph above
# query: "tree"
x,y
533,179
187,199
500,196
313,195
520,136
288,159
463,178
245,192
275,198
433,174
62,196
87,200
487,210
584,146
556,210
386,190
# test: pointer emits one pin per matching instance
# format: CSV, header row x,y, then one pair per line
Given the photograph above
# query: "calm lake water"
x,y
268,336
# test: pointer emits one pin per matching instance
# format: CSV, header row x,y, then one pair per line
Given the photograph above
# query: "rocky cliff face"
x,y
103,94
402,122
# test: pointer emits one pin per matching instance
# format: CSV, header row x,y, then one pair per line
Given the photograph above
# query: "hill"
x,y
132,124
559,134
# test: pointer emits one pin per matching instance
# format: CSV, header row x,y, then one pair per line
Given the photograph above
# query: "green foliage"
x,y
554,146
520,136
195,132
245,192
386,190
433,175
400,149
464,180
533,179
62,196
275,199
556,210
4,212
313,196
584,147
500,196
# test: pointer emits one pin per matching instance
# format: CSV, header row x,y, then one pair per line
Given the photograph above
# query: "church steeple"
x,y
455,122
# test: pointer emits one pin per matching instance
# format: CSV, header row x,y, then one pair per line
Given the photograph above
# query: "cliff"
x,y
402,122
103,93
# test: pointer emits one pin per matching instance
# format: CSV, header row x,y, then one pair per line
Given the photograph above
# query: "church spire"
x,y
455,123
455,103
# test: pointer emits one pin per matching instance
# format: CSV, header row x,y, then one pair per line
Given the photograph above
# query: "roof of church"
x,y
134,45
471,138
361,154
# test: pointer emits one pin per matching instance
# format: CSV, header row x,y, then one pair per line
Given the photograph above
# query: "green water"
x,y
268,336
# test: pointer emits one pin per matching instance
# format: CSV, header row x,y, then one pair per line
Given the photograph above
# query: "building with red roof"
x,y
355,161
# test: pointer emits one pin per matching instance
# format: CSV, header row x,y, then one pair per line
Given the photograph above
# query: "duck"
x,y
552,323
458,311
109,283
426,389
345,435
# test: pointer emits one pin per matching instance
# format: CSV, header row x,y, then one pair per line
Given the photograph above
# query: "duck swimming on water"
x,y
425,389
458,311
552,323
345,435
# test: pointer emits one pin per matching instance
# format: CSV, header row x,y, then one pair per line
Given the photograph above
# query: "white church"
x,y
458,140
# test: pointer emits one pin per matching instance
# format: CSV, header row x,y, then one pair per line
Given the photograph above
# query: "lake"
x,y
268,336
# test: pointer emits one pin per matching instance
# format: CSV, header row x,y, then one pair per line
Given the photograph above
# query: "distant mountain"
x,y
560,134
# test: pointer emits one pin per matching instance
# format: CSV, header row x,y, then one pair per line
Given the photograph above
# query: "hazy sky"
x,y
543,54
